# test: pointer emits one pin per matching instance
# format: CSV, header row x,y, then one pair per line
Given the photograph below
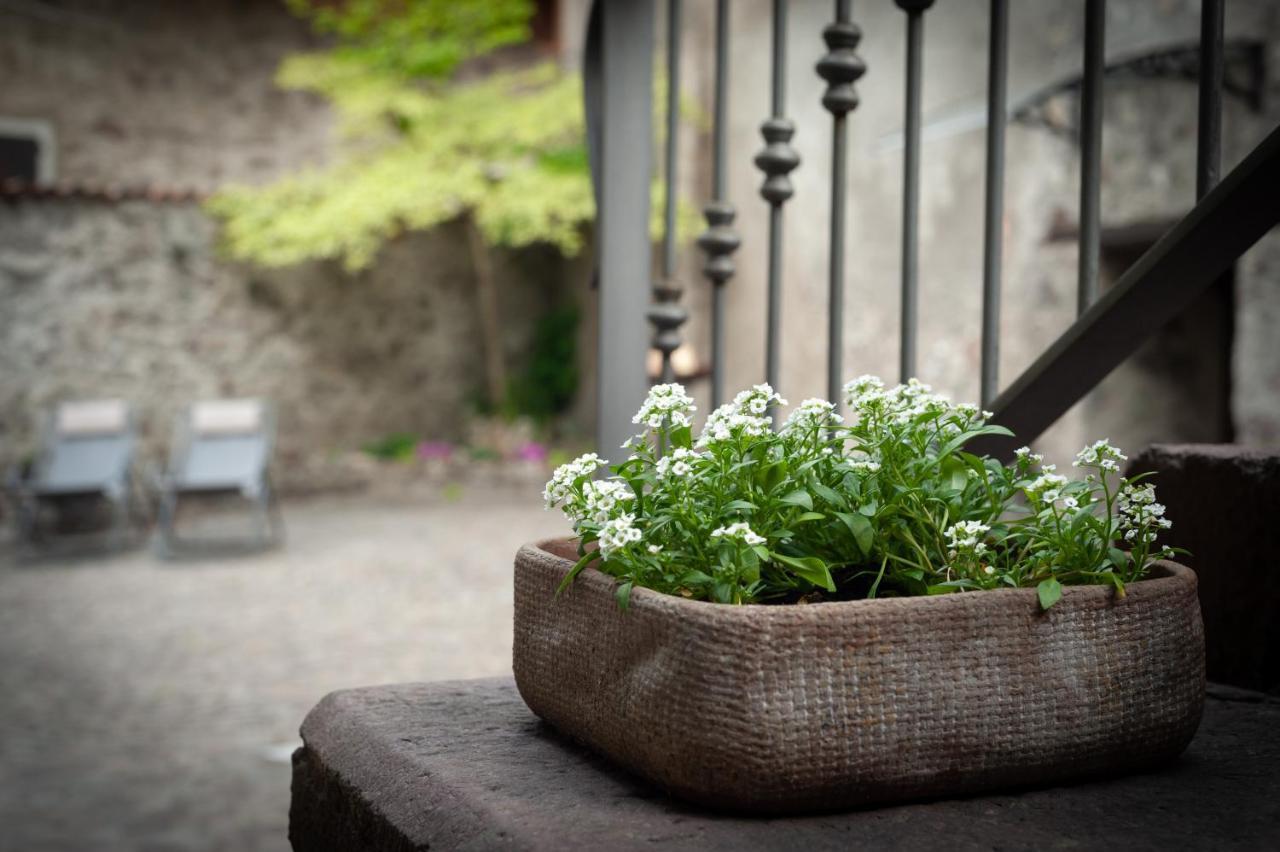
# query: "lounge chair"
x,y
222,446
86,451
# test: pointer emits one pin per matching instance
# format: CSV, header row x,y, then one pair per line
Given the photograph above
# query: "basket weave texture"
x,y
788,709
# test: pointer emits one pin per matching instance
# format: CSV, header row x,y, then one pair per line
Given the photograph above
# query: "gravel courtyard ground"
x,y
151,705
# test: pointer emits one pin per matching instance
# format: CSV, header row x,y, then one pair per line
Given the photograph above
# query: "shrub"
x,y
888,505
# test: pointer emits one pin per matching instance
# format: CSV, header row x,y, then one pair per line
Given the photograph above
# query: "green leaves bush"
x,y
889,505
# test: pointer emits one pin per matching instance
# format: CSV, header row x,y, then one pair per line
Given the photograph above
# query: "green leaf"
x,y
681,436
869,509
1049,591
1118,558
575,571
964,437
623,596
800,498
941,589
810,568
695,578
863,533
810,516
740,505
1118,583
828,494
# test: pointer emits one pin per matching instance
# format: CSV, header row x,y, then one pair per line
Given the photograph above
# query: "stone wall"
x,y
152,92
131,300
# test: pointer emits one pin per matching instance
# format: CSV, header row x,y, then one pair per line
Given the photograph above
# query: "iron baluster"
x,y
1209,123
1095,22
993,218
777,160
667,314
840,67
719,241
915,10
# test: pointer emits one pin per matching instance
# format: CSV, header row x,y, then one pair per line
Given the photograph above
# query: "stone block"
x,y
1224,501
464,764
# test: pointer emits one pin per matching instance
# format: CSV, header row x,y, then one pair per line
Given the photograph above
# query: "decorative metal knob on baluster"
x,y
667,315
719,241
841,67
777,160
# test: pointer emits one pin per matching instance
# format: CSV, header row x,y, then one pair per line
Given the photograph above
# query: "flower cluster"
x,y
677,463
666,404
1101,455
738,532
601,499
745,417
568,476
1047,487
1140,515
966,549
811,416
967,536
617,535
888,503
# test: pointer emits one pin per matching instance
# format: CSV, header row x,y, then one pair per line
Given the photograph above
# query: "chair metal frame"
x,y
254,484
31,487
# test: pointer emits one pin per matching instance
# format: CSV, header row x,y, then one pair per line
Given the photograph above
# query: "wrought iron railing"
x,y
1228,218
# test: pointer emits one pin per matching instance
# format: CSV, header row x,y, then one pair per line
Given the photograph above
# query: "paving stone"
x,y
146,705
465,764
1224,501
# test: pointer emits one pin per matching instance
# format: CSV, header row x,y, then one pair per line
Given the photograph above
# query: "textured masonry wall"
x,y
131,300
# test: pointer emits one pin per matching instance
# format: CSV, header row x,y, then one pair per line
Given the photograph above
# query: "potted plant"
x,y
824,615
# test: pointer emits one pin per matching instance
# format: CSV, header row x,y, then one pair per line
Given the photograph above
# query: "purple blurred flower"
x,y
532,452
429,450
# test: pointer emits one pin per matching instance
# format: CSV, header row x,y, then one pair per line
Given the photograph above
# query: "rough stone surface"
x,y
1223,501
466,765
131,300
162,93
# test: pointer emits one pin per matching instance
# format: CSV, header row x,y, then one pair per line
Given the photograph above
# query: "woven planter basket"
x,y
787,709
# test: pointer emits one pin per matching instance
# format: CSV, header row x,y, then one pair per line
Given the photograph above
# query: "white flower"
x,y
862,391
617,535
1140,515
1070,503
666,403
1046,486
560,486
990,570
677,463
1026,458
1100,454
655,549
740,531
965,536
862,461
812,414
601,498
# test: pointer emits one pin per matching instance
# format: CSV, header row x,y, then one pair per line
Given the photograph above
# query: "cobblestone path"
x,y
150,705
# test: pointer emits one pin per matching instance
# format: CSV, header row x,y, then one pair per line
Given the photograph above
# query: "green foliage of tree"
x,y
420,144
506,149
417,148
419,38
